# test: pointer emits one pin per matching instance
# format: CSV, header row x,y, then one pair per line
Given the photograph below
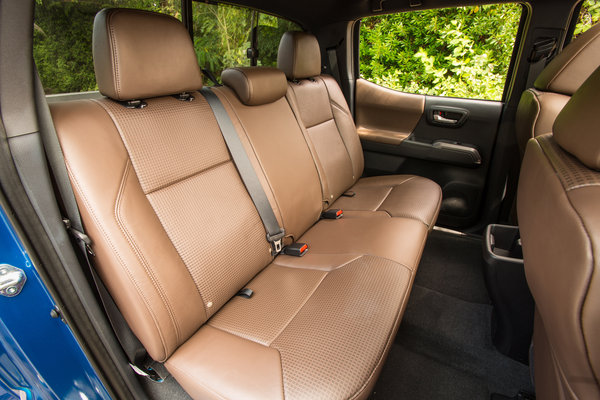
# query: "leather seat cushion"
x,y
326,331
398,239
406,196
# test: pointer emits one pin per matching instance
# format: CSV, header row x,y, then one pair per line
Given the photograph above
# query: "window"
x,y
62,44
457,52
588,16
223,35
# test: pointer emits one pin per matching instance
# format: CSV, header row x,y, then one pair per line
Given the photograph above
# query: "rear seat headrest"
x,y
576,127
299,55
140,54
568,70
256,85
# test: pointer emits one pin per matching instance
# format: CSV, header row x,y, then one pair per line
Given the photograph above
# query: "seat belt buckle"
x,y
296,249
276,242
332,214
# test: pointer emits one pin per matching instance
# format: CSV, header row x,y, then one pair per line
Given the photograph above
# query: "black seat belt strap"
x,y
275,233
543,49
133,348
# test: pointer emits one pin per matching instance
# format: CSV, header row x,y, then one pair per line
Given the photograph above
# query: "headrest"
x,y
576,128
299,55
567,71
256,85
140,54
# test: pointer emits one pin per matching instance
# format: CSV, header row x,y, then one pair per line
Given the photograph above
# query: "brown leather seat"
x,y
329,130
176,235
555,85
255,98
558,207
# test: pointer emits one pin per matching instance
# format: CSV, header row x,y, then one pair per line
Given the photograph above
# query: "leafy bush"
x,y
459,52
588,16
63,38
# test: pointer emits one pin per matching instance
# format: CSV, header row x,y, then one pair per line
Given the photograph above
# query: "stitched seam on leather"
x,y
147,267
337,126
320,123
581,304
573,57
190,176
537,115
300,307
250,87
118,127
404,215
309,296
322,177
140,257
196,381
384,198
115,54
107,237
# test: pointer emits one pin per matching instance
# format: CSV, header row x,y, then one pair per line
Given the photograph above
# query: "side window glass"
x,y
223,34
589,15
457,52
62,39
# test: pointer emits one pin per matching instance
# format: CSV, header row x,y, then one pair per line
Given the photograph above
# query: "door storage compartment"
x,y
510,295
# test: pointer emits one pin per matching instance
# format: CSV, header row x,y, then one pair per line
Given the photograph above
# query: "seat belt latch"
x,y
296,249
332,214
276,242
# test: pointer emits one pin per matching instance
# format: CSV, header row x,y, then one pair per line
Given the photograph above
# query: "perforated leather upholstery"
x,y
558,197
176,235
331,133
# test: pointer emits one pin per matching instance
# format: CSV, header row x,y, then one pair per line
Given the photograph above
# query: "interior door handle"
x,y
450,117
437,116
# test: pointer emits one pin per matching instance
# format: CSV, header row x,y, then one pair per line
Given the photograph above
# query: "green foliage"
x,y
458,52
222,34
588,16
63,38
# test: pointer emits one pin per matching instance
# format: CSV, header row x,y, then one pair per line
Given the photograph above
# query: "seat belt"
x,y
138,358
543,49
275,233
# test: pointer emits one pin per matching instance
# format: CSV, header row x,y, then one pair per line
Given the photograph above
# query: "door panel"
x,y
384,115
451,143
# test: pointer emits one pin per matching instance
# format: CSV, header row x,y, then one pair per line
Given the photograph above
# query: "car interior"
x,y
295,230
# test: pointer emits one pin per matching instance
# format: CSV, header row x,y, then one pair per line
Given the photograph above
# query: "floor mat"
x,y
452,264
443,349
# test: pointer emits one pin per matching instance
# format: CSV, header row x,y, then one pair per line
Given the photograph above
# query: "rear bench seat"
x,y
255,100
329,128
176,235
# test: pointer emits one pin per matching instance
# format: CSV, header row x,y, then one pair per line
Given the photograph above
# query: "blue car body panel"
x,y
39,355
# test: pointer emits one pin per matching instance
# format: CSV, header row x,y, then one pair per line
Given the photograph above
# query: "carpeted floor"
x,y
443,349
